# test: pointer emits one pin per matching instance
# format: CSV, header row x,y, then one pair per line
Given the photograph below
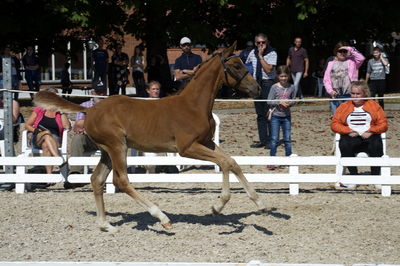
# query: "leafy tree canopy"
x,y
161,24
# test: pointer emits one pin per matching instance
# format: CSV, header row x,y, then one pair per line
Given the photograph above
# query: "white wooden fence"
x,y
293,177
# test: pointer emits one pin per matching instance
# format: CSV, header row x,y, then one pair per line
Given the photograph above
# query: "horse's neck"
x,y
203,87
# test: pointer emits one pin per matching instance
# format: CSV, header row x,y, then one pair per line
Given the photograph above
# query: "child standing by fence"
x,y
279,112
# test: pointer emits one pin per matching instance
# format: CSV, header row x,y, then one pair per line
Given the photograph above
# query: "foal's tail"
x,y
51,101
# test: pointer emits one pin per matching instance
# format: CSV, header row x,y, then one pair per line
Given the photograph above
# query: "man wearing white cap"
x,y
187,63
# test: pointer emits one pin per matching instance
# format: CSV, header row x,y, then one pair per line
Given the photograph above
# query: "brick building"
x,y
80,69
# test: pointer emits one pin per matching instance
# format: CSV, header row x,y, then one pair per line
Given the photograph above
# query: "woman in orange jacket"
x,y
360,123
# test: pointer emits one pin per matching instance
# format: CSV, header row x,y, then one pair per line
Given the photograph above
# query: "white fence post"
x,y
20,187
293,170
385,171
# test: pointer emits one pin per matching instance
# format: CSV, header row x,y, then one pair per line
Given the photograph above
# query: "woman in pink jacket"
x,y
340,72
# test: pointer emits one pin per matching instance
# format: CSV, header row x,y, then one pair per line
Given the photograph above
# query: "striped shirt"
x,y
271,58
359,120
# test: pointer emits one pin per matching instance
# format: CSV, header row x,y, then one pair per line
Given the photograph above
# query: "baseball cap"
x,y
185,40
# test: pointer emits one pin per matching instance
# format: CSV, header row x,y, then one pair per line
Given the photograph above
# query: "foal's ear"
x,y
229,51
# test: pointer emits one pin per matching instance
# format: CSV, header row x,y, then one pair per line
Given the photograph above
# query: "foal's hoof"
x,y
214,211
108,228
167,226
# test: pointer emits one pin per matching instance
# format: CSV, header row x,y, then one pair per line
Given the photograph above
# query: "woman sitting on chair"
x,y
360,123
47,127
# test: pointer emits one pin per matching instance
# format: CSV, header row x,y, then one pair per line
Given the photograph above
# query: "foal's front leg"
x,y
227,164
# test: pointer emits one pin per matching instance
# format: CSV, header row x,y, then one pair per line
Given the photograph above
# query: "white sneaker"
x,y
339,185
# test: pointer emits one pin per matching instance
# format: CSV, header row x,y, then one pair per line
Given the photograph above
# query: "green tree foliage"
x,y
51,23
160,24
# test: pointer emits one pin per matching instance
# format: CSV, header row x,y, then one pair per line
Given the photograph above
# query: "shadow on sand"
x,y
145,222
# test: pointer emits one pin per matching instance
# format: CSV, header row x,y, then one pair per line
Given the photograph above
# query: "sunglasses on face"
x,y
261,42
342,51
186,44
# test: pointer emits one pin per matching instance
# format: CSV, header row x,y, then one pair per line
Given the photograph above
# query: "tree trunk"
x,y
156,43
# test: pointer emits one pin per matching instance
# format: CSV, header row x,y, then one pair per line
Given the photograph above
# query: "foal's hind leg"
x,y
120,179
98,180
227,164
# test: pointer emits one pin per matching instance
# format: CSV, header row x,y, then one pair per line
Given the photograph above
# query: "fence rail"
x,y
293,177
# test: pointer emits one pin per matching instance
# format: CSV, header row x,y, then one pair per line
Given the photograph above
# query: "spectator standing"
x,y
377,68
17,118
186,64
81,143
120,62
319,76
360,124
100,61
263,59
15,70
66,84
245,53
298,62
47,127
32,69
138,65
340,72
280,112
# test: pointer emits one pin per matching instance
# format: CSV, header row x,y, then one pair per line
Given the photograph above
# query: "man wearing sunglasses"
x,y
263,58
187,63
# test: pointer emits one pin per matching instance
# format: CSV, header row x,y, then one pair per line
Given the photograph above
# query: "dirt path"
x,y
321,225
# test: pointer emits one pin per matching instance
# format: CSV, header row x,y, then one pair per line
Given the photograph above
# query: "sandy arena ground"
x,y
321,225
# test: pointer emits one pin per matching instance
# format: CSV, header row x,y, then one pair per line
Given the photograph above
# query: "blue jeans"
x,y
276,123
335,104
32,78
296,83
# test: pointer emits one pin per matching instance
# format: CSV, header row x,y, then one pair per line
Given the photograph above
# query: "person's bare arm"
x,y
183,74
15,111
306,66
267,67
367,76
30,121
65,121
288,61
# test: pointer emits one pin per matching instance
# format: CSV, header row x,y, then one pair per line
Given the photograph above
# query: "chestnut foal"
x,y
180,123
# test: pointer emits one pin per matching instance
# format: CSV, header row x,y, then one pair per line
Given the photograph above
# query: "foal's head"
x,y
237,75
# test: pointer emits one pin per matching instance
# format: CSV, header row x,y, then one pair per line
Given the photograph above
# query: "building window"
x,y
80,64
